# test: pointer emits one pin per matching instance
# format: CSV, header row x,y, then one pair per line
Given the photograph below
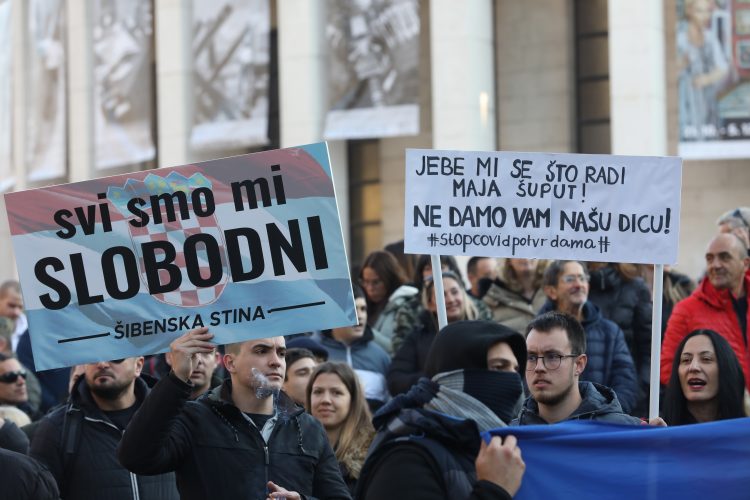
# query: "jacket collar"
x,y
717,298
81,398
327,338
220,397
596,400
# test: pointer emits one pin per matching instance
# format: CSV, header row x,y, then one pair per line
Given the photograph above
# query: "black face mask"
x,y
498,391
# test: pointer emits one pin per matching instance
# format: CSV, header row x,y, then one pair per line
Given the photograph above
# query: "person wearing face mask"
x,y
706,383
428,440
408,364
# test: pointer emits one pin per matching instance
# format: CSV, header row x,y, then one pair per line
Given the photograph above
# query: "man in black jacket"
x,y
78,441
244,439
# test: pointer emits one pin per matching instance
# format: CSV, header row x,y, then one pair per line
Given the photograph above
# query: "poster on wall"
x,y
373,60
713,61
6,110
231,56
123,82
46,151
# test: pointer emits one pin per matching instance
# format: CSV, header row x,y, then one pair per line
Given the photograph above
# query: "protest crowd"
x,y
392,407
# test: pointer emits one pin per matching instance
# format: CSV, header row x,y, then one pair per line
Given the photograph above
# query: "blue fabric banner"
x,y
580,460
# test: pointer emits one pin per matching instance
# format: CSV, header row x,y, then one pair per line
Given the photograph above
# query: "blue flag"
x,y
582,459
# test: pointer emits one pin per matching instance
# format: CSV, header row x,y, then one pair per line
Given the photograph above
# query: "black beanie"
x,y
463,345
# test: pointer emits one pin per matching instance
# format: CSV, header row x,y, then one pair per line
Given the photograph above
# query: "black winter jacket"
x,y
217,453
93,472
598,403
14,439
421,454
407,366
23,478
628,304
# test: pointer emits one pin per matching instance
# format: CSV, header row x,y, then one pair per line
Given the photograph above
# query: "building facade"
x,y
586,76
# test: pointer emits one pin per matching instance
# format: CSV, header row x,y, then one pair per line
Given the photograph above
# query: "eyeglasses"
x,y
551,361
738,215
572,278
11,377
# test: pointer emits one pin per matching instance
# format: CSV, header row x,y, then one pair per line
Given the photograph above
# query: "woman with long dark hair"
x,y
384,283
707,383
335,397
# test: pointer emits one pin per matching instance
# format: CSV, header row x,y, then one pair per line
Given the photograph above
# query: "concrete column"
x,y
303,89
637,77
80,91
463,75
173,21
303,96
19,25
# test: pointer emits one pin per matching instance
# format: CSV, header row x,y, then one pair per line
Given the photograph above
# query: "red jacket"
x,y
707,308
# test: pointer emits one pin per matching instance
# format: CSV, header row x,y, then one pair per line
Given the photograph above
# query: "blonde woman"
x,y
408,363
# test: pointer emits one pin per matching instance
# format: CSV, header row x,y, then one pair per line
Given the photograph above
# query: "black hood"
x,y
463,345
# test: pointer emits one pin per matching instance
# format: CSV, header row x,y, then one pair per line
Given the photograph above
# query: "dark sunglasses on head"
x,y
11,377
737,214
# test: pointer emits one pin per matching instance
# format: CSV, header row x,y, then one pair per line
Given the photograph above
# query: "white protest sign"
x,y
542,205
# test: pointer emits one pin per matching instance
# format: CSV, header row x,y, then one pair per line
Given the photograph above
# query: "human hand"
x,y
656,422
185,348
500,463
276,492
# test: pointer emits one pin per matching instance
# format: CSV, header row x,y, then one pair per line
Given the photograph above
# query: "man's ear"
x,y
229,363
138,365
581,364
551,292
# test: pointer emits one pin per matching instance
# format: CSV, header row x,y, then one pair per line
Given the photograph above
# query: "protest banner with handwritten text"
x,y
249,246
542,205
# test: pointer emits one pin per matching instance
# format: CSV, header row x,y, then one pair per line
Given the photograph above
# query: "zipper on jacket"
x,y
268,461
133,477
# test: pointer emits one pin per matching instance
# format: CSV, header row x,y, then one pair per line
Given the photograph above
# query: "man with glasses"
x,y
556,359
78,441
719,303
609,362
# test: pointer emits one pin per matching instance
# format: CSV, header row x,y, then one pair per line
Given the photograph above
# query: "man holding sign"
x,y
245,439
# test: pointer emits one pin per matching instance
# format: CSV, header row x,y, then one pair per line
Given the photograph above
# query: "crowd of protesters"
x,y
392,407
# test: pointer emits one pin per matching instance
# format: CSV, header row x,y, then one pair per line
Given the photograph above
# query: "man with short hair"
x,y
478,268
609,362
245,439
719,303
428,443
11,307
300,363
78,441
556,358
203,372
356,346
